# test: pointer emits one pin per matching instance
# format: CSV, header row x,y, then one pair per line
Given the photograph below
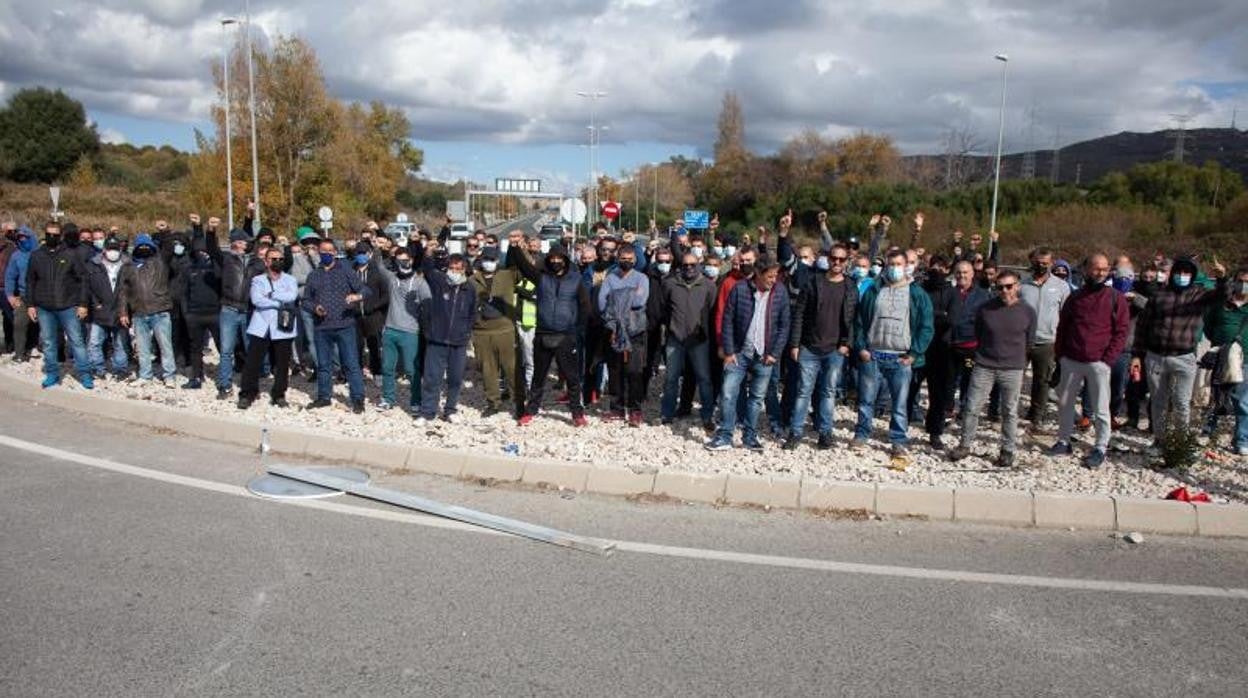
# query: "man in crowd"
x,y
452,313
893,329
1166,335
820,339
201,307
754,333
145,305
687,300
1091,334
15,289
400,340
1226,325
371,311
238,268
56,296
104,291
622,304
301,259
965,303
272,330
494,331
330,295
1045,293
1006,328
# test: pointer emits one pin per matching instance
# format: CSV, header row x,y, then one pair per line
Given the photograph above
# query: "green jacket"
x,y
1226,323
922,321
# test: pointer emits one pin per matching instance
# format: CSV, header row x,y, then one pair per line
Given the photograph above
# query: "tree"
x,y
866,157
730,141
42,135
83,175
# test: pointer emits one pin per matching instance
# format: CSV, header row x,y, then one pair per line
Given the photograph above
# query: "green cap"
x,y
306,233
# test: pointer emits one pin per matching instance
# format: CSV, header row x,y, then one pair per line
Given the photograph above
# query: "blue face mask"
x,y
26,244
361,260
896,274
875,270
327,258
1182,280
821,264
711,271
859,273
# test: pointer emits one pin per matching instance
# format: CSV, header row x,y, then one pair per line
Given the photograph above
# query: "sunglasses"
x,y
1004,287
838,260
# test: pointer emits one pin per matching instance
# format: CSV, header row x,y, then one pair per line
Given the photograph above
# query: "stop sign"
x,y
611,210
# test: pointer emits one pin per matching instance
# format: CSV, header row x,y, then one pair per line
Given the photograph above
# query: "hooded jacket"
x,y
145,283
202,289
1170,324
922,327
563,303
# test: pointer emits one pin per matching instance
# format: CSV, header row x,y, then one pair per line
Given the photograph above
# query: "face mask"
x,y
489,266
1162,276
719,251
896,274
71,241
859,273
99,244
729,251
361,260
1125,272
52,240
1182,280
179,249
698,252
822,264
112,255
808,263
910,271
626,266
556,268
664,267
1040,269
711,271
405,265
1243,289
689,272
875,270
455,278
327,258
142,252
746,269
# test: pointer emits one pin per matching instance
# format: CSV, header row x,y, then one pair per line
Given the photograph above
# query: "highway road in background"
x,y
142,584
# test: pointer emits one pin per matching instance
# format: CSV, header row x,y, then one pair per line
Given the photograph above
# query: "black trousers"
x,y
940,370
689,381
278,351
196,326
627,375
181,336
561,349
371,342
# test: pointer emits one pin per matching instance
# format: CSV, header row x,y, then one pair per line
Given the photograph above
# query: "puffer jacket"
x,y
56,278
740,310
145,287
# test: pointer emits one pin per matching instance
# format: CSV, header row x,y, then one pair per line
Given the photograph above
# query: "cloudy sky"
x,y
490,86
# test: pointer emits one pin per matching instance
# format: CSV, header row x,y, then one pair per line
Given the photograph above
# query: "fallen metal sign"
x,y
597,546
274,487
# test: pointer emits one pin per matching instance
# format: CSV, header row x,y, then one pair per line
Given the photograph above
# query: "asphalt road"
x,y
124,583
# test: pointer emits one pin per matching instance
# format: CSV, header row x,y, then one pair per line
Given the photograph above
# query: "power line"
x,y
1180,135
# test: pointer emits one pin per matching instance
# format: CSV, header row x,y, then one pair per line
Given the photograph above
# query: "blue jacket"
x,y
452,308
922,328
15,273
267,297
739,311
329,289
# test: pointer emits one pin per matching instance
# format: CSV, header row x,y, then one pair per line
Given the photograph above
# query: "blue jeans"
x,y
442,361
399,348
735,374
820,376
233,325
118,338
1239,398
700,360
51,323
160,326
883,368
306,340
344,340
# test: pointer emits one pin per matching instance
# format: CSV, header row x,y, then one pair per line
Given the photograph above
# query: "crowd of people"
x,y
764,333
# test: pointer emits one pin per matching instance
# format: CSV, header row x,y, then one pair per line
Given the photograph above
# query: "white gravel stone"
x,y
679,447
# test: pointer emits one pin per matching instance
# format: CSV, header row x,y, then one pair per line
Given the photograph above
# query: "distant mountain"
x,y
1087,161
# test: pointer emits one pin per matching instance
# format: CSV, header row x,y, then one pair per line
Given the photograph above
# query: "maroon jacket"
x,y
1093,325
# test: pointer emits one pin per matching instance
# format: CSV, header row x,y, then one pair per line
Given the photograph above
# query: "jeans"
x,y
983,381
746,365
442,362
697,357
1239,400
1170,379
233,326
1093,378
884,368
156,325
306,342
399,348
820,374
1119,375
343,339
51,323
118,338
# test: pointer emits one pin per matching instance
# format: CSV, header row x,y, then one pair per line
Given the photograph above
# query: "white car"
x,y
461,231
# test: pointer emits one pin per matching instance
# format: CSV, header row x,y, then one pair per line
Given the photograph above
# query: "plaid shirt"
x,y
1170,323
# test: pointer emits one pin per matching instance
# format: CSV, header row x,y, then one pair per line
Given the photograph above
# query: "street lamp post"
x,y
996,183
229,160
593,96
251,99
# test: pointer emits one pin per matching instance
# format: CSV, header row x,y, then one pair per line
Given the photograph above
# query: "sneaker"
x,y
937,444
489,411
635,419
358,407
1061,448
791,443
1083,424
223,393
563,399
525,420
718,444
384,406
958,453
318,404
826,442
420,421
898,451
87,381
193,384
858,443
451,418
1005,460
279,402
1094,460
1241,451
169,382
244,403
580,421
50,381
753,444
666,421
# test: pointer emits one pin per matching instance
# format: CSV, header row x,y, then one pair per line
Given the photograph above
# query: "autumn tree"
x,y
730,138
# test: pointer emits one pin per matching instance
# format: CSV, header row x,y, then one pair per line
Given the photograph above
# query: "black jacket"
x,y
104,300
374,306
201,292
237,271
56,279
145,288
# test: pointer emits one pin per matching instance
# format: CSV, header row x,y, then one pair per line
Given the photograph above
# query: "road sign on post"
x,y
697,220
573,211
326,214
55,192
611,210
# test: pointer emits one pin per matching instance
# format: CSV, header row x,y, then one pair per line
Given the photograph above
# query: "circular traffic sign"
x,y
325,213
611,210
401,218
573,211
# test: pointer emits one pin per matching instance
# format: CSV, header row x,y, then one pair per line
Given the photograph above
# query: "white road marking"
x,y
923,573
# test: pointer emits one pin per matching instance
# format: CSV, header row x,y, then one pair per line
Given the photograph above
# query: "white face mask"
x,y
489,266
455,277
112,255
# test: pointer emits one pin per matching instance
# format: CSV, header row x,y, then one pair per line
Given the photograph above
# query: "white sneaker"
x,y
420,421
383,406
452,418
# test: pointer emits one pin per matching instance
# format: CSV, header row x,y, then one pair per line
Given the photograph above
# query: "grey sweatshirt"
x,y
406,295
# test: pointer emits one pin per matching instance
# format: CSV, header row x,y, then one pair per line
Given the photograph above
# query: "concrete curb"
x,y
973,505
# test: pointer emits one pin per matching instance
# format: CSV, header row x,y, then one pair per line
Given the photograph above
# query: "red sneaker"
x,y
1084,424
580,421
593,397
563,399
525,420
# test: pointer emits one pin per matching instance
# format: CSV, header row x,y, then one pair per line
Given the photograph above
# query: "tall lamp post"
x,y
251,103
229,159
996,184
593,96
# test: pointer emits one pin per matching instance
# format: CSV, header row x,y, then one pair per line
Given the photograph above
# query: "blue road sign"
x,y
697,220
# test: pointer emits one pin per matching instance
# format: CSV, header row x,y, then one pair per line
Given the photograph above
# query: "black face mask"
x,y
142,253
405,268
1040,269
52,240
602,264
689,272
747,269
557,268
71,241
626,266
